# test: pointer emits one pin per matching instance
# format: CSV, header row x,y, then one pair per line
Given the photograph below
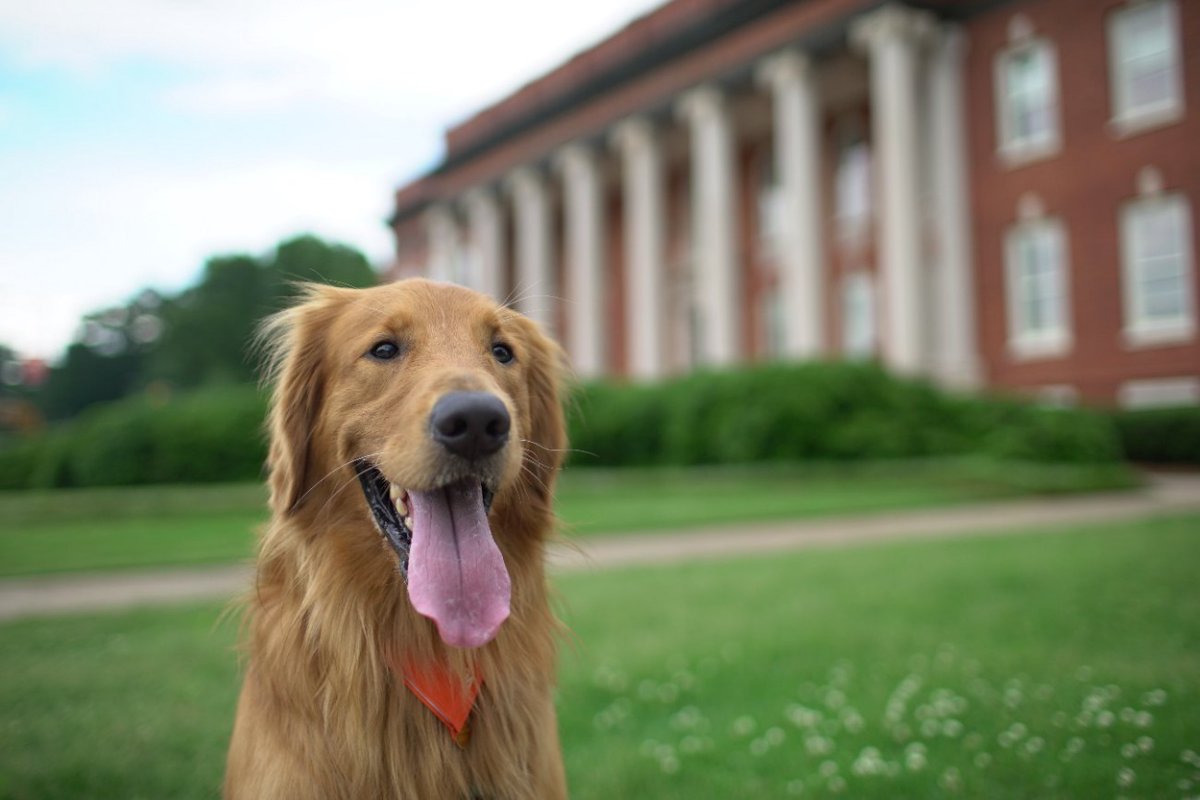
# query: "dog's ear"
x,y
295,365
546,370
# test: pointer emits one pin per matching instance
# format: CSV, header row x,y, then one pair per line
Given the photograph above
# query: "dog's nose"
x,y
470,424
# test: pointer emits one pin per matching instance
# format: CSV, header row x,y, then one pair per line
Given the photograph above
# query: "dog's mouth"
x,y
454,570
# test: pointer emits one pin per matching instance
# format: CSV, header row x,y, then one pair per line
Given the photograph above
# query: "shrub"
x,y
843,411
1160,435
210,435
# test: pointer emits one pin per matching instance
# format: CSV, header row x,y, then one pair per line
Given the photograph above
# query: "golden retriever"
x,y
400,638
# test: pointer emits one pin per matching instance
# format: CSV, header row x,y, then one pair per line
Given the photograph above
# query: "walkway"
x,y
1166,494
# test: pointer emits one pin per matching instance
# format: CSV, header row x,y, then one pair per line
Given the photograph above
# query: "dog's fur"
x,y
321,714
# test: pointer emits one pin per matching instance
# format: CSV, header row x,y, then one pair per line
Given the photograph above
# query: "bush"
x,y
843,411
211,435
1160,435
779,412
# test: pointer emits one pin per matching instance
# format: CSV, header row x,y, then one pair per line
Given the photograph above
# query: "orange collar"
x,y
443,693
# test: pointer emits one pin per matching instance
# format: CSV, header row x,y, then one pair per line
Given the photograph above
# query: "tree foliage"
x,y
197,337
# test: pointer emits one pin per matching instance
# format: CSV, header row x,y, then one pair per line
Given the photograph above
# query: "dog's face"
x,y
430,395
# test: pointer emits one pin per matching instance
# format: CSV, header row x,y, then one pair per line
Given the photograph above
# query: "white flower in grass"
x,y
853,722
1044,692
1145,744
1127,714
983,760
951,780
743,726
1035,745
1154,697
952,728
1184,785
834,699
795,787
837,784
1190,757
828,769
774,736
1126,777
914,759
759,747
684,680
930,728
817,745
1105,719
1143,719
669,765
667,693
1059,720
1129,750
869,762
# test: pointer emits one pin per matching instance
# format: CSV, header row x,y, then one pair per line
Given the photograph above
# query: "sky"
x,y
139,137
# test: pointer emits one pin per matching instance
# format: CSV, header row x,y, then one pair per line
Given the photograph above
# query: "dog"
x,y
399,641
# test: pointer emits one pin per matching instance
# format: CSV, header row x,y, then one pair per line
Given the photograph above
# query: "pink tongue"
x,y
456,574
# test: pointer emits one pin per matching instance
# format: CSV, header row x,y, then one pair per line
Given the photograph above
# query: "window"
x,y
1156,251
852,189
770,206
1038,322
1144,61
771,310
858,315
1028,97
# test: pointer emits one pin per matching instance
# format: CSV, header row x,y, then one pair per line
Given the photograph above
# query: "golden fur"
x,y
321,715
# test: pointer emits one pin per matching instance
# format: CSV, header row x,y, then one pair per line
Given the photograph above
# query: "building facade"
x,y
985,193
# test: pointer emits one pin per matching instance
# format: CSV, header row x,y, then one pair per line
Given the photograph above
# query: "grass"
x,y
1041,664
95,529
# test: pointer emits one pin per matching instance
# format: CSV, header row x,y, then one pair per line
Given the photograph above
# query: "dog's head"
x,y
437,402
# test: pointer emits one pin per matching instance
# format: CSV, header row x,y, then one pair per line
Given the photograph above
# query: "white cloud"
x,y
90,222
450,56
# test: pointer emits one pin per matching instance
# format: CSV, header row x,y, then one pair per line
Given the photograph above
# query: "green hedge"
x,y
847,411
206,436
837,411
1160,435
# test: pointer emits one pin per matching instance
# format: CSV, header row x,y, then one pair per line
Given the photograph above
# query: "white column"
x,y
583,223
956,351
534,292
441,230
485,223
797,116
714,225
891,37
644,215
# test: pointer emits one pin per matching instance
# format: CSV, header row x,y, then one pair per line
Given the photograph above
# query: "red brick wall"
x,y
1084,185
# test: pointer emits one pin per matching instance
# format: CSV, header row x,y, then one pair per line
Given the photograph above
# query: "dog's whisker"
x,y
333,471
560,449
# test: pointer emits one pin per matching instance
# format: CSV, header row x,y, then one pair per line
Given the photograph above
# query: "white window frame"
x,y
1160,392
1128,120
1139,330
860,337
1014,151
1024,343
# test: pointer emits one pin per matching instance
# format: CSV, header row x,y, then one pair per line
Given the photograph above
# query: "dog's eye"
x,y
502,352
384,351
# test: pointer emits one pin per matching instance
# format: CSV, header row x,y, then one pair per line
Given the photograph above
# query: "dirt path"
x,y
1165,494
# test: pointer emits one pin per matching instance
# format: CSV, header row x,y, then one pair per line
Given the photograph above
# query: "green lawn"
x,y
89,529
1036,665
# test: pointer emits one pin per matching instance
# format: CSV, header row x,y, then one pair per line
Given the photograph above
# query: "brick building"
x,y
984,192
